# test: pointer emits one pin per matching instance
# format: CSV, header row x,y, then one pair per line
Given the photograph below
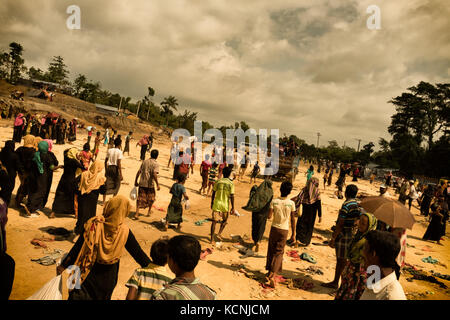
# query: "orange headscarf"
x,y
92,179
105,236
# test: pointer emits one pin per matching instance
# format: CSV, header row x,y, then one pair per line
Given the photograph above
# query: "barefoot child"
x,y
175,210
212,177
204,170
281,210
96,145
145,281
86,156
223,194
255,172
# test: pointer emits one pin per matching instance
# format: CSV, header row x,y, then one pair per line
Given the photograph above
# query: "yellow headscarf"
x,y
28,141
105,236
359,240
73,154
92,179
36,142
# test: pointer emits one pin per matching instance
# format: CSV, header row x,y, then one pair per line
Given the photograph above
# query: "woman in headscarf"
x,y
25,153
427,197
354,276
72,130
98,250
309,197
144,145
35,125
260,199
60,131
18,128
92,184
439,217
67,186
54,164
41,168
12,164
106,136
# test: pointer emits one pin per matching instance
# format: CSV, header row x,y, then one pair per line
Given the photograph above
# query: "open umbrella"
x,y
392,212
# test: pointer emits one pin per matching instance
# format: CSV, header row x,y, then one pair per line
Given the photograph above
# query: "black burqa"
x,y
11,162
259,204
67,186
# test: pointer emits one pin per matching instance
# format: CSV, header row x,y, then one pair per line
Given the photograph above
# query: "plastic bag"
x,y
133,193
52,290
187,205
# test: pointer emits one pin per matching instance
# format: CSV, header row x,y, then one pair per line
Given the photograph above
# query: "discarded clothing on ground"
x,y
440,275
50,259
421,275
429,259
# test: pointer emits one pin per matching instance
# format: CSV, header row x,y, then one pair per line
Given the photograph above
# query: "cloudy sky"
x,y
300,66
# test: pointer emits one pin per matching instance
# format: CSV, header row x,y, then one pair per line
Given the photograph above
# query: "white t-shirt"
x,y
282,208
113,156
413,193
387,288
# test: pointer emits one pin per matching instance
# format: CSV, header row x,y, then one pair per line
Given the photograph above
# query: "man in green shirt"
x,y
223,194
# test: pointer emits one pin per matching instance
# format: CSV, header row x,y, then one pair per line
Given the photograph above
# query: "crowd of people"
x,y
358,238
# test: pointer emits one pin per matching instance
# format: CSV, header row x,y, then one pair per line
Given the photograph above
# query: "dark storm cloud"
x,y
300,66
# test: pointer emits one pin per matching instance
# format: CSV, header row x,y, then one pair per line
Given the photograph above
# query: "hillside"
x,y
70,107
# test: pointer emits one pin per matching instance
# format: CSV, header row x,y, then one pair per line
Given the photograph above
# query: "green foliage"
x,y
57,71
12,63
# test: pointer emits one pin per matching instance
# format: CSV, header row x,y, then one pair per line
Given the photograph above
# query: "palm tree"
x,y
168,104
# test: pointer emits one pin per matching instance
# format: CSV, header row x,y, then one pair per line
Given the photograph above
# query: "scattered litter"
x,y
419,253
440,275
51,258
293,254
205,253
300,283
305,256
312,270
158,208
38,243
410,245
200,222
428,249
429,259
421,275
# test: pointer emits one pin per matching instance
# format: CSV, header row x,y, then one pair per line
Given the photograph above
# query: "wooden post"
x,y
120,104
148,110
137,112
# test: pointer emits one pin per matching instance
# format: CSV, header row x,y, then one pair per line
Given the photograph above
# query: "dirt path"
x,y
220,269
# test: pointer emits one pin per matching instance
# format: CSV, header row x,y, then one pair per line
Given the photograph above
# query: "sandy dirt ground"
x,y
220,270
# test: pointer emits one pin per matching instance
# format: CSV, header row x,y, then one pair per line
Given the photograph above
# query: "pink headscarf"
x,y
144,140
19,120
50,144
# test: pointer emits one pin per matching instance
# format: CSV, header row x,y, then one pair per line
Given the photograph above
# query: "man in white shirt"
x,y
113,172
412,193
380,253
282,210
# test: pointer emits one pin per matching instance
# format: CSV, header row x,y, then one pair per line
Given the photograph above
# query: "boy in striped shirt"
x,y
212,175
145,281
184,254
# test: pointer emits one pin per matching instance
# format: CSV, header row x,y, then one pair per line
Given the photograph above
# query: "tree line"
x,y
420,126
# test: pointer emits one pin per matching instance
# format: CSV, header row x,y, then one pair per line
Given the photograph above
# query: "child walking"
x,y
255,172
96,145
175,209
212,175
